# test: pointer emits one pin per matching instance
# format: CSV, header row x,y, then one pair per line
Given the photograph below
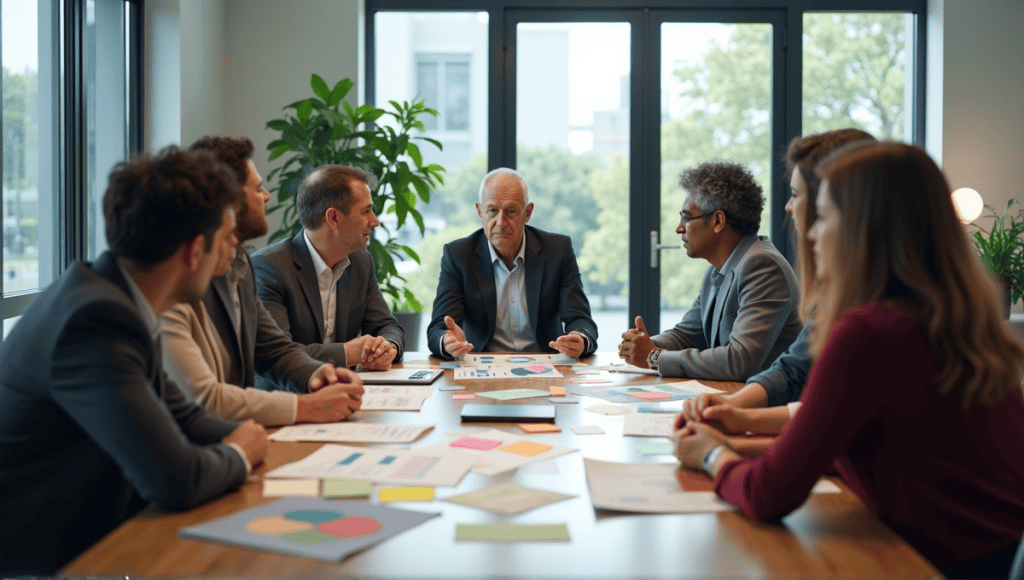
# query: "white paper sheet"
x,y
352,432
645,487
393,466
649,424
497,461
484,359
695,387
624,368
466,373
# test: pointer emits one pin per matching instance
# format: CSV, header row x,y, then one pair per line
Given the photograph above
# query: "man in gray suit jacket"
x,y
319,285
746,313
91,429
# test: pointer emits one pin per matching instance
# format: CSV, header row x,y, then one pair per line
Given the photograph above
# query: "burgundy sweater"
x,y
950,482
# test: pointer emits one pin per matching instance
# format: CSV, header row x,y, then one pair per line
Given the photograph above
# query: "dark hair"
x,y
235,152
803,155
899,240
155,203
326,187
727,186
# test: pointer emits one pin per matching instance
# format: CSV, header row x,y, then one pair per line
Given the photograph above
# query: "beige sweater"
x,y
194,358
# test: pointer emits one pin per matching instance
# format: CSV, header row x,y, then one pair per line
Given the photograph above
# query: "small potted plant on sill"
x,y
1001,250
326,129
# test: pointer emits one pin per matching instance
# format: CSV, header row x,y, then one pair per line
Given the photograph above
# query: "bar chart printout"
x,y
397,466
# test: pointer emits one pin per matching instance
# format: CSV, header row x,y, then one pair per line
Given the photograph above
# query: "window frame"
x,y
69,136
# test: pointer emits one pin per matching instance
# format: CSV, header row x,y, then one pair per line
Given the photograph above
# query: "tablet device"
x,y
508,413
400,377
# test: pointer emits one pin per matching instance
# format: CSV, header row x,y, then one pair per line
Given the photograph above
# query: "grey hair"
x,y
501,172
727,186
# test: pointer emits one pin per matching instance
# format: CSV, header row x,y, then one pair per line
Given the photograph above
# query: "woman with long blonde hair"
x,y
915,393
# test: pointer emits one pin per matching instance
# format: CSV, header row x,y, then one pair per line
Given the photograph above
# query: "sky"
x,y
20,35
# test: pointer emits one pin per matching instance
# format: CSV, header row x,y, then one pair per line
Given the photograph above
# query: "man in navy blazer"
x,y
91,429
320,285
510,287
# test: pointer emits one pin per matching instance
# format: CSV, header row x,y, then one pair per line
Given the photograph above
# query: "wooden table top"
x,y
831,535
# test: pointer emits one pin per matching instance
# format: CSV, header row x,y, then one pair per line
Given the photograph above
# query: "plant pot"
x,y
410,322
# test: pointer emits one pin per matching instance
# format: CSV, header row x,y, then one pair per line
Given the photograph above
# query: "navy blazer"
x,y
554,291
91,428
289,288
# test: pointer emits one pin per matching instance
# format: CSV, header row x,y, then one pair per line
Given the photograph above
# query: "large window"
x,y
69,115
601,109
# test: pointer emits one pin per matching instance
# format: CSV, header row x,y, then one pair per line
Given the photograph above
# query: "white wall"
x,y
202,68
272,49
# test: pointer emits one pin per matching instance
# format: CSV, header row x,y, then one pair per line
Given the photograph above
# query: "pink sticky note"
x,y
463,397
536,368
654,396
474,443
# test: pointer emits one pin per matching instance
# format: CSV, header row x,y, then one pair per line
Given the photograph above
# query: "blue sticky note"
x,y
655,409
449,365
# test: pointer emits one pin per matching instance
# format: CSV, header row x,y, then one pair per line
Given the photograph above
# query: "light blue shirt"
x,y
327,280
512,330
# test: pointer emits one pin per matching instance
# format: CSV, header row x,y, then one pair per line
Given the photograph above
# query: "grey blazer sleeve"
x,y
786,378
448,302
687,333
279,359
167,447
765,301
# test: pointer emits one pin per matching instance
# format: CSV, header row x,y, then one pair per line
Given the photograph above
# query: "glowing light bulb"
x,y
968,204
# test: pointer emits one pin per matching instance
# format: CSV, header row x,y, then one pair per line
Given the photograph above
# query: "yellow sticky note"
x,y
557,391
407,494
275,487
527,448
539,428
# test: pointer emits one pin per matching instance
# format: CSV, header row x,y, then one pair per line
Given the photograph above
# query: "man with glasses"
x,y
509,287
746,314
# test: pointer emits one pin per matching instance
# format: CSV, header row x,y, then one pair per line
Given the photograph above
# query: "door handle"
x,y
656,248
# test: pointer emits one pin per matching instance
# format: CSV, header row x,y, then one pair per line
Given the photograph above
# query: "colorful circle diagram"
x,y
314,526
531,370
520,360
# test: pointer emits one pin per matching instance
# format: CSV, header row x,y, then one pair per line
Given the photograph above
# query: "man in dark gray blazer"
x,y
90,427
510,287
746,313
319,285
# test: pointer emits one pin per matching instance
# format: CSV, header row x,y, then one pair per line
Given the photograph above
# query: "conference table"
x,y
831,535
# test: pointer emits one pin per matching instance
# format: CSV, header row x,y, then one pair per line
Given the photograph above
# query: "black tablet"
x,y
508,413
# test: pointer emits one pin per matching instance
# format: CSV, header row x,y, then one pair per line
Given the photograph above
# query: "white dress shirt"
x,y
327,278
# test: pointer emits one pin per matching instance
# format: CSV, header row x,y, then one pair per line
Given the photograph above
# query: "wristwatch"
x,y
710,458
652,358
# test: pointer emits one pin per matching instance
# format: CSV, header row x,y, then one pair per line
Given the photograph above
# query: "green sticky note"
x,y
654,447
347,487
420,361
511,533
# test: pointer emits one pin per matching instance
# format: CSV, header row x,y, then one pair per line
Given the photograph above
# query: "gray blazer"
x,y
262,348
90,426
754,319
289,289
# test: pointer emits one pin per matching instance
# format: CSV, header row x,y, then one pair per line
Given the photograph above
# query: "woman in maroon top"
x,y
915,392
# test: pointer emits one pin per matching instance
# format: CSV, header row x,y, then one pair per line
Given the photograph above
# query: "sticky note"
x,y
565,400
587,430
511,533
608,409
347,487
539,428
557,391
654,447
652,396
527,448
275,487
450,388
656,409
406,494
464,397
474,443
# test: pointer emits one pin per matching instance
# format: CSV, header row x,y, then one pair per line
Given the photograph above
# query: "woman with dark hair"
x,y
767,402
915,393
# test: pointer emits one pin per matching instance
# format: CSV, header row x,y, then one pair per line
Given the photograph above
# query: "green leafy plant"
x,y
326,129
1002,249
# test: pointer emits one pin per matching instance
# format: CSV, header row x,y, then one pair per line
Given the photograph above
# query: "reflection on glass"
x,y
856,70
716,103
572,137
26,201
440,57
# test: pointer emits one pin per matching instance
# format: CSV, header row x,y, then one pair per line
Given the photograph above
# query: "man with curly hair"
x,y
746,314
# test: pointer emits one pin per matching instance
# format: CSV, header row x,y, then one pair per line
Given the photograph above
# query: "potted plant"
x,y
1002,251
326,129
